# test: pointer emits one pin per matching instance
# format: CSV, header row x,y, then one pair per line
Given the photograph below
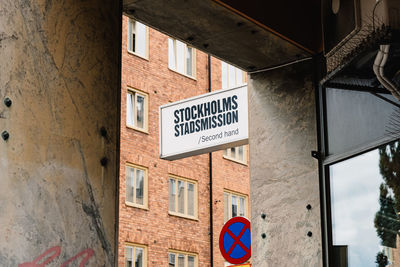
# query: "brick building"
x,y
164,206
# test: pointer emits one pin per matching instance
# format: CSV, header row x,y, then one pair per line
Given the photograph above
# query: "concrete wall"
x,y
60,67
283,175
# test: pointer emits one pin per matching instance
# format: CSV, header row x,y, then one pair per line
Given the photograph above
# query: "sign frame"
x,y
210,148
224,229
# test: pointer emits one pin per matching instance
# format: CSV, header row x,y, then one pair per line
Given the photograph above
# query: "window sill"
x,y
138,129
137,55
183,74
182,216
133,205
235,160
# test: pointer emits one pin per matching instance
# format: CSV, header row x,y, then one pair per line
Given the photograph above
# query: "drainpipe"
x,y
379,64
211,183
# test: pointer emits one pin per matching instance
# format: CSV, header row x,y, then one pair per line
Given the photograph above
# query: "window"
x,y
181,259
182,197
138,38
234,205
136,186
232,76
181,58
238,154
136,110
135,255
364,208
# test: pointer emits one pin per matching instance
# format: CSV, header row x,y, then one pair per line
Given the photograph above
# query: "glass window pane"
x,y
226,207
191,199
234,206
231,74
239,77
226,152
224,75
130,173
128,256
189,61
131,35
181,196
233,152
181,260
190,261
364,204
139,186
171,260
172,194
241,207
140,46
241,153
139,257
140,111
171,54
180,56
129,108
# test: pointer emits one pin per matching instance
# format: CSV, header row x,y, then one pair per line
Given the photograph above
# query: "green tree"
x,y
381,259
386,222
389,166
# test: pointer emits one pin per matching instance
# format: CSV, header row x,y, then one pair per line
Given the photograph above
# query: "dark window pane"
x,y
171,260
139,257
172,194
139,186
181,196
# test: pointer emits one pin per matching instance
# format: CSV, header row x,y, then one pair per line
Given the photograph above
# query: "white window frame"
x,y
131,24
135,94
228,154
145,186
186,254
134,246
175,58
195,200
230,194
225,84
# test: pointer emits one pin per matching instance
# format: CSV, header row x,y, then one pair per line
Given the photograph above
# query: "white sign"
x,y
205,123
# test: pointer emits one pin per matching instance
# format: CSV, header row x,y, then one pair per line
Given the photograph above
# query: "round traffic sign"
x,y
235,240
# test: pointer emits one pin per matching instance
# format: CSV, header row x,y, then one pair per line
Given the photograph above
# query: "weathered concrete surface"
x,y
283,175
60,67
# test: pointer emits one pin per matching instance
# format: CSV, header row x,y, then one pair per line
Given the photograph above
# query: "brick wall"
x,y
154,227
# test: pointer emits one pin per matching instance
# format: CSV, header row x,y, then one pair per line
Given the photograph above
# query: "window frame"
x,y
134,246
238,195
325,161
196,195
145,187
227,155
194,61
177,252
129,35
243,73
135,93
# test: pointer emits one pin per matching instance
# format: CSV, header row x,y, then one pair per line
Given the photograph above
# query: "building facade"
x,y
164,206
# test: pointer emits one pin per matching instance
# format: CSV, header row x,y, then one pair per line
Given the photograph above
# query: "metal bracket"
x,y
316,154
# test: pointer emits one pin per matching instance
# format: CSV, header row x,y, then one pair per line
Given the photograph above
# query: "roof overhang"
x,y
252,35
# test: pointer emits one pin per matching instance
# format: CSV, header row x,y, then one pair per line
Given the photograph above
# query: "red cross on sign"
x,y
235,240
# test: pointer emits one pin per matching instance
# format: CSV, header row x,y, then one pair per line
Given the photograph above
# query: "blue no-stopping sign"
x,y
235,240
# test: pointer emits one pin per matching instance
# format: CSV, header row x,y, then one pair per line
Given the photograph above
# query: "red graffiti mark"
x,y
89,253
53,253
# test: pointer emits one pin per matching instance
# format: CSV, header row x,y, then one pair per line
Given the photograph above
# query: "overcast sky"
x,y
355,194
